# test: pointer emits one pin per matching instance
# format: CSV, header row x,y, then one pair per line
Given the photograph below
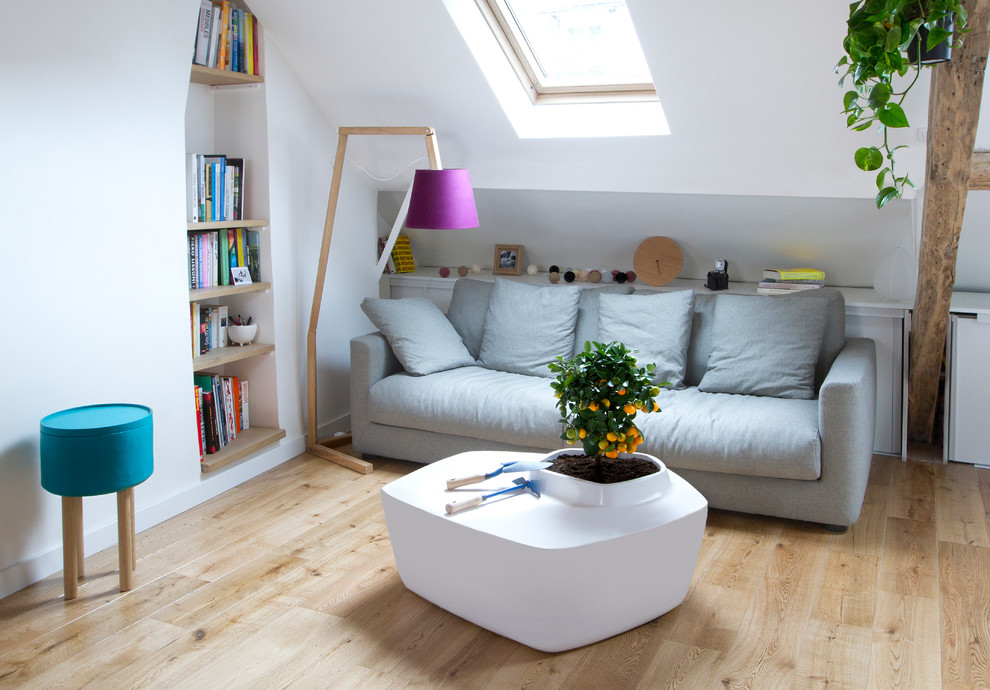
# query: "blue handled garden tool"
x,y
505,467
464,503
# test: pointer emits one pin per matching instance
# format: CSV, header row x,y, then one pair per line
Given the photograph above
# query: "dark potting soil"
x,y
609,471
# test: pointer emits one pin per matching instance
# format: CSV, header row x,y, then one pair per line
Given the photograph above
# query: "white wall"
x,y
93,184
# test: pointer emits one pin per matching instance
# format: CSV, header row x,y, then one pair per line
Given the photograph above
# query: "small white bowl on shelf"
x,y
242,335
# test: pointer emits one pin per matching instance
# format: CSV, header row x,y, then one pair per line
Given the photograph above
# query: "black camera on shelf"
x,y
719,278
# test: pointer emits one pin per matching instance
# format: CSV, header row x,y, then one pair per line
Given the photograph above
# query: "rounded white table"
x,y
544,572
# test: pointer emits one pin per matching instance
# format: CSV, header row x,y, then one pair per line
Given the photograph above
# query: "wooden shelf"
x,y
226,290
224,224
247,442
221,77
231,353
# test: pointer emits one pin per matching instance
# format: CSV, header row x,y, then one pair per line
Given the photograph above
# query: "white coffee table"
x,y
544,572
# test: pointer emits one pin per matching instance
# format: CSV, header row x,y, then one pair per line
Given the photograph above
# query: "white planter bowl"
x,y
582,492
242,335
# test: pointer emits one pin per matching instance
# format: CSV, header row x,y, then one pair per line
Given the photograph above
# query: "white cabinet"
x,y
967,415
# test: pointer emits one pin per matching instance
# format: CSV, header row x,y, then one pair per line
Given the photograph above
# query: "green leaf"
x,y
885,195
868,158
881,176
849,100
892,115
879,96
936,36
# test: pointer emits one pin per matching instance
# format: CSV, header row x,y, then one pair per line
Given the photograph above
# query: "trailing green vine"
x,y
876,45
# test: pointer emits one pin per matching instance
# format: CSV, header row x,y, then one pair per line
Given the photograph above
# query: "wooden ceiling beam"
x,y
953,113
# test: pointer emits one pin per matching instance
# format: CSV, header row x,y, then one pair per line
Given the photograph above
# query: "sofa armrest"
x,y
847,424
371,360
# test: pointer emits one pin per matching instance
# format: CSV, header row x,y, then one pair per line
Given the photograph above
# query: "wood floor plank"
x,y
964,583
834,655
909,563
676,665
906,650
528,668
912,491
766,650
849,589
960,516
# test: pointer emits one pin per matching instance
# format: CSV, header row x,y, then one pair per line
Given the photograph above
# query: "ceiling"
x,y
747,88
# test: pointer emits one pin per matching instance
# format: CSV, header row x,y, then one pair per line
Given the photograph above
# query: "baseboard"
x,y
36,568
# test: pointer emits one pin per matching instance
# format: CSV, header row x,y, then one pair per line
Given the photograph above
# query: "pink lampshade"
x,y
442,199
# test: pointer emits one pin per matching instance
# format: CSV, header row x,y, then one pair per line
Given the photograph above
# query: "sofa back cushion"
x,y
468,306
421,337
765,346
527,327
656,327
586,328
833,339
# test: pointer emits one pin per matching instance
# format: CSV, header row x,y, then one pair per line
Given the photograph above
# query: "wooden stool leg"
x,y
80,546
133,534
71,529
125,537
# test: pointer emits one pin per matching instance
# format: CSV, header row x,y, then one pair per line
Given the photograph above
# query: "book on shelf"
x,y
794,273
389,263
215,184
213,253
220,409
226,38
778,289
402,257
252,258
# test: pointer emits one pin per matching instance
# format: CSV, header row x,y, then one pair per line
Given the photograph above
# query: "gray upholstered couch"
x,y
772,409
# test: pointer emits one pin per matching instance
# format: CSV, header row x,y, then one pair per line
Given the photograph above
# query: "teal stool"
x,y
89,451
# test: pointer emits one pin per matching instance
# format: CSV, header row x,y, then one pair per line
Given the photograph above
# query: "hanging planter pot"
x,y
941,52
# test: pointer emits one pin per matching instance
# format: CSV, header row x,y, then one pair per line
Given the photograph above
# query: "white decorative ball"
x,y
532,269
606,275
476,268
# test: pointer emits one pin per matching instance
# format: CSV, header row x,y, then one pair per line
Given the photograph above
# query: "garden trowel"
x,y
464,503
505,467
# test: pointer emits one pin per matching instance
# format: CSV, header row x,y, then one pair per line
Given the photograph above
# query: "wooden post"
x,y
953,113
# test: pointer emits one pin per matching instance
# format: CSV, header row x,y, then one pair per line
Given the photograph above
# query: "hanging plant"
x,y
880,34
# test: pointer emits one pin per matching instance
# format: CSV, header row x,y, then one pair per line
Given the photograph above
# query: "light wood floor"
x,y
288,580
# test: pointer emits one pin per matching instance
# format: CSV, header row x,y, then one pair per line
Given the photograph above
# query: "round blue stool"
x,y
93,450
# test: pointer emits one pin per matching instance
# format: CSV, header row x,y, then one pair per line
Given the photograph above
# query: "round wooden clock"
x,y
657,260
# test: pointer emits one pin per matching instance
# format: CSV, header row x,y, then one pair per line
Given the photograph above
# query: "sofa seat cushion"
x,y
737,434
473,402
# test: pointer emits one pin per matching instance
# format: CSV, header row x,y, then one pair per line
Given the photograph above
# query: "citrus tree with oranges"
x,y
599,392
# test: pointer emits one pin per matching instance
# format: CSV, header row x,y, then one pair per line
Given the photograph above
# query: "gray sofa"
x,y
771,411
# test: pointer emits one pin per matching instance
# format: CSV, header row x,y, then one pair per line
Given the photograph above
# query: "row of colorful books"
x,y
214,253
781,281
222,410
401,258
216,187
226,38
208,324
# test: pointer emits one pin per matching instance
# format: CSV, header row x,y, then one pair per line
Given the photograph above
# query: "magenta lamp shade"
x,y
442,199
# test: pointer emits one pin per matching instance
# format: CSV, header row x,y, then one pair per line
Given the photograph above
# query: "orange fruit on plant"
x,y
629,409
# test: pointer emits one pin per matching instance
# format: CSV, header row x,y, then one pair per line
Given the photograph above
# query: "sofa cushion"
x,y
468,306
737,434
472,402
656,327
765,346
527,327
586,328
419,334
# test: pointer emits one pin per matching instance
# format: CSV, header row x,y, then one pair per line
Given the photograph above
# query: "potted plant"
x,y
880,34
599,393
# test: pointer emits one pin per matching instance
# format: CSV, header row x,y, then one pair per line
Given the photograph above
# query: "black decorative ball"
x,y
569,277
621,277
554,269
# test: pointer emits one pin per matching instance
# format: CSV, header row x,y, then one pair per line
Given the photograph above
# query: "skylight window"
x,y
573,51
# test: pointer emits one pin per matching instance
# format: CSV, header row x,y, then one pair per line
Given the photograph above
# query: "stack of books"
x,y
221,410
780,281
226,38
402,258
216,187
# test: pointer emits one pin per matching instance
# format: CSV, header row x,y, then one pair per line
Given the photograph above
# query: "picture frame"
x,y
240,275
508,260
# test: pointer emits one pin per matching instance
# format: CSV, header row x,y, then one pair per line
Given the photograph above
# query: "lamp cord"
x,y
378,179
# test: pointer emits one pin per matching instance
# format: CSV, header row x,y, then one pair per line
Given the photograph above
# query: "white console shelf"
x,y
868,315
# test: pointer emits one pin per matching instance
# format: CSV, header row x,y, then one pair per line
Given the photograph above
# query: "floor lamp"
x,y
438,198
